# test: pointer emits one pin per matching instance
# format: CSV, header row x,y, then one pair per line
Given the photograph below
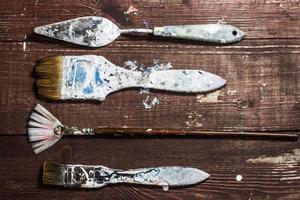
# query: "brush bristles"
x,y
49,77
53,174
41,129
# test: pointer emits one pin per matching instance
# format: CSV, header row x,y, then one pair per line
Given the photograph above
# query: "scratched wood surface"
x,y
262,94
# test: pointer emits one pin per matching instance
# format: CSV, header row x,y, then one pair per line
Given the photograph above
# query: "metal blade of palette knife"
x,y
89,31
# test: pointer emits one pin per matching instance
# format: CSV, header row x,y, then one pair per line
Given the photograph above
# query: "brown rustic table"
x,y
262,94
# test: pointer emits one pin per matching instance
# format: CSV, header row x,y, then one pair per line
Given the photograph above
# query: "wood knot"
x,y
246,103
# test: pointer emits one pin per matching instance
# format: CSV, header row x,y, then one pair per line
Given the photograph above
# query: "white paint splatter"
x,y
239,178
151,104
144,91
250,196
290,178
24,43
131,9
221,21
286,158
262,83
231,92
165,188
209,98
146,24
194,120
131,64
157,66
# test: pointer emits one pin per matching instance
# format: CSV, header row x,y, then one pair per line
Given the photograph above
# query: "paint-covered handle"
x,y
217,33
182,80
161,176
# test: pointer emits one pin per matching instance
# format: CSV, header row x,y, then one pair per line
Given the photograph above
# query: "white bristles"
x,y
41,129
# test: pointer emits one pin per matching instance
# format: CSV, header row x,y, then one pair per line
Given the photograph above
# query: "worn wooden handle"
x,y
181,80
168,132
217,33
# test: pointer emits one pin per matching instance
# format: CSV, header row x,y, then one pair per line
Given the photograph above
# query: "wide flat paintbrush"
x,y
97,176
45,130
94,77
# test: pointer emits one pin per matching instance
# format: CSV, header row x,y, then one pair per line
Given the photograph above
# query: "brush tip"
x,y
41,129
53,174
49,77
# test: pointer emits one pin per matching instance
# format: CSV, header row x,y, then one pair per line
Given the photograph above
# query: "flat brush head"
x,y
54,174
49,77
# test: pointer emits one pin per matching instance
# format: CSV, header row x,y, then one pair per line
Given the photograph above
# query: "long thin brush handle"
x,y
166,132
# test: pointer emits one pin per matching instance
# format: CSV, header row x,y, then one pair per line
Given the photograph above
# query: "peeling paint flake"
x,y
209,98
286,158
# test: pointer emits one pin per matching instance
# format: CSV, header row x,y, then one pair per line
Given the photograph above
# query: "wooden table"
x,y
262,94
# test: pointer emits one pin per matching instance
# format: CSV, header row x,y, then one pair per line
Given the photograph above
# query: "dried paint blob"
x,y
149,104
166,188
238,178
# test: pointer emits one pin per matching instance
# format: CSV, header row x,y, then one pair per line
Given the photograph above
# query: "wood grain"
x,y
262,94
260,85
21,170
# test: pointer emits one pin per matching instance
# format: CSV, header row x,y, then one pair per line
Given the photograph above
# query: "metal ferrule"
x,y
72,130
87,176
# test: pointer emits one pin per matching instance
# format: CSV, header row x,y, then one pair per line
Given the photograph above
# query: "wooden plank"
x,y
262,94
274,177
259,18
262,91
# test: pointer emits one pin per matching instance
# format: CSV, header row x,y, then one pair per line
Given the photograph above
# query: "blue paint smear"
x,y
80,75
88,90
98,78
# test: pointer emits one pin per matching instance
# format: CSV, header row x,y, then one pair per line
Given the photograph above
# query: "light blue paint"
x,y
88,90
98,79
80,75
